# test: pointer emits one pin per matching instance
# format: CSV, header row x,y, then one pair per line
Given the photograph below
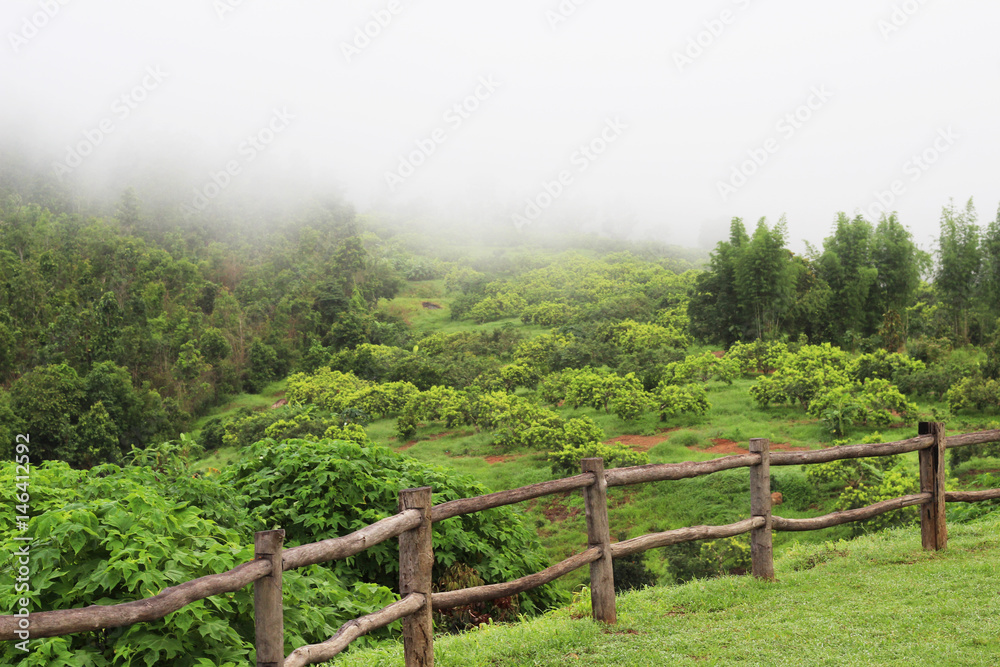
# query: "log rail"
x,y
411,525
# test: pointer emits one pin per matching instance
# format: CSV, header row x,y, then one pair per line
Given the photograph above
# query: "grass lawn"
x,y
877,600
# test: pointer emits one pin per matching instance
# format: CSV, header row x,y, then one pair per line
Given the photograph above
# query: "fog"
x,y
645,119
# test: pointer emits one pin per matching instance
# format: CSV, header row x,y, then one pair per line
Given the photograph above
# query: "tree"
x,y
847,267
989,276
898,262
764,279
959,261
715,309
49,400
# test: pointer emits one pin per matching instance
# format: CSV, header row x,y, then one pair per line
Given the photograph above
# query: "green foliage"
x,y
701,368
883,365
758,357
630,572
974,393
631,336
876,402
549,314
116,534
706,559
802,375
959,259
566,461
865,481
673,400
320,489
892,484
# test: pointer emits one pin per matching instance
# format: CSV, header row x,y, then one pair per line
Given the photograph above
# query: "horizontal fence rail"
x,y
411,525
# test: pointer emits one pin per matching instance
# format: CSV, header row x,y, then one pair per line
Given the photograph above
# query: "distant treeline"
x,y
869,286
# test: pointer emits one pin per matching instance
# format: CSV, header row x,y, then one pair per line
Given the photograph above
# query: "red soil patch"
x,y
554,509
504,458
642,443
723,446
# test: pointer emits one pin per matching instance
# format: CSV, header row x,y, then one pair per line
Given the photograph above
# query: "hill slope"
x,y
877,600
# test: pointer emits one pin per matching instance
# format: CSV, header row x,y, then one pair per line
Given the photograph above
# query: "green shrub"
x,y
702,560
566,461
118,534
316,490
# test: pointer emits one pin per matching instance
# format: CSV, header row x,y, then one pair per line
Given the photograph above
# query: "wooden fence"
x,y
412,525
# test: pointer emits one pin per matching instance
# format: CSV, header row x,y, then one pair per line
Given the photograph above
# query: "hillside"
x,y
876,600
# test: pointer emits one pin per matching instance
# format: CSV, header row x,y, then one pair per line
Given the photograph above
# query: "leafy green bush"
x,y
974,393
315,490
758,357
117,534
566,461
874,403
892,484
883,365
705,559
700,368
803,375
673,400
866,481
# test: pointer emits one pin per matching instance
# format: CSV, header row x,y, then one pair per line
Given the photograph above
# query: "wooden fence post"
x,y
761,553
933,529
602,574
269,627
416,566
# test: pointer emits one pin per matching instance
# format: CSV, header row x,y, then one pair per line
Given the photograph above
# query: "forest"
x,y
184,385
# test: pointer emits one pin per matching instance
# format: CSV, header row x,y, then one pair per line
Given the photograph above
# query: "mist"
x,y
638,119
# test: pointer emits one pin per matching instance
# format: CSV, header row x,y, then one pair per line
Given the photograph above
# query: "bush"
x,y
702,560
117,534
974,393
673,400
874,403
316,490
566,461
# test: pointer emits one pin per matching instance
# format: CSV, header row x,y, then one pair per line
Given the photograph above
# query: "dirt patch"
x,y
430,305
279,403
503,458
723,446
555,510
641,443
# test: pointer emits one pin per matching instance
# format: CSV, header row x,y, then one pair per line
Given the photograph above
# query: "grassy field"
x,y
877,600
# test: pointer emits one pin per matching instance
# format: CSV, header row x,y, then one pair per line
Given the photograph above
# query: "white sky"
x,y
678,130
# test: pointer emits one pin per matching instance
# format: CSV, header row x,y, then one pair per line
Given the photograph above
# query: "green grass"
x,y
223,456
877,600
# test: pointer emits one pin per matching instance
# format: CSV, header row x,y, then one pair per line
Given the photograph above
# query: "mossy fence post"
x,y
933,529
761,552
602,574
269,625
416,566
